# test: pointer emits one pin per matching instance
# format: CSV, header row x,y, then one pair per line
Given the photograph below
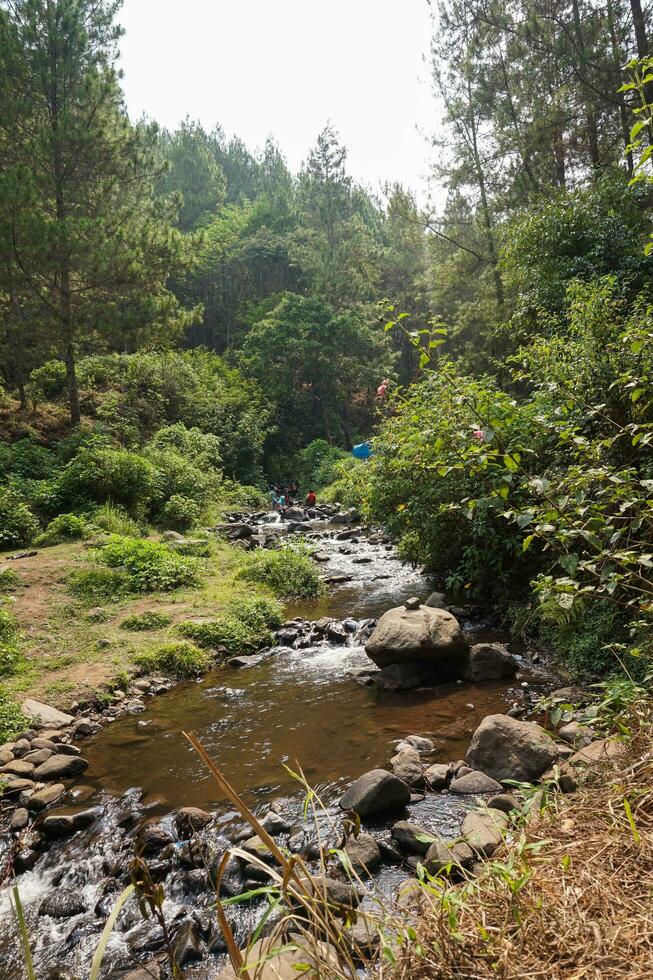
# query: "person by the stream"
x,y
311,499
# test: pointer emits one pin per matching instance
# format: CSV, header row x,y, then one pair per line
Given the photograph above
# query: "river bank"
x,y
304,703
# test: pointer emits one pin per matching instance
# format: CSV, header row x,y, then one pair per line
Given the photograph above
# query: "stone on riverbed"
x,y
506,748
483,830
421,636
437,775
475,782
443,855
63,903
45,713
284,966
403,677
412,838
44,797
364,854
189,819
489,662
60,767
375,792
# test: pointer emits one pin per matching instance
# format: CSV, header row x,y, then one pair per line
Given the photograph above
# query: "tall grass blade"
x,y
24,938
106,933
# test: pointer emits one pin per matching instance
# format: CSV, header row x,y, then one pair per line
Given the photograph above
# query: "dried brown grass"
x,y
571,897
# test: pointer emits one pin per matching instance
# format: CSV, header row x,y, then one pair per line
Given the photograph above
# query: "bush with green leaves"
x,y
316,466
179,513
247,624
145,621
149,566
18,526
26,459
289,572
180,659
96,476
65,527
10,654
115,520
48,382
12,719
349,482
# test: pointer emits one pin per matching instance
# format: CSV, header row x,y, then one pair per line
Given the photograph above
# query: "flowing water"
x,y
302,708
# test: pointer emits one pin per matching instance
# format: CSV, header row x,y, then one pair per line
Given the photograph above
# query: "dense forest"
x,y
185,320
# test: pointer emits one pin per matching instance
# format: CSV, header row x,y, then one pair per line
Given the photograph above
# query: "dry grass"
x,y
571,897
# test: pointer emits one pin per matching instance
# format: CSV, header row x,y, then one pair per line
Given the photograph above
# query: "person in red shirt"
x,y
311,499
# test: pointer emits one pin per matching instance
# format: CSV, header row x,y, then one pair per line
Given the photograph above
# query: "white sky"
x,y
285,67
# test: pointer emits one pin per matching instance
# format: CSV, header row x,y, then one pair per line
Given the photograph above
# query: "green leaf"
x,y
96,965
526,543
510,463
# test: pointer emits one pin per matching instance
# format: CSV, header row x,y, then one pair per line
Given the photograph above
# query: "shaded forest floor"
x,y
72,648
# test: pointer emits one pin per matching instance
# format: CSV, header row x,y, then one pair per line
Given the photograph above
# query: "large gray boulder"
x,y
489,662
375,792
507,748
423,635
45,713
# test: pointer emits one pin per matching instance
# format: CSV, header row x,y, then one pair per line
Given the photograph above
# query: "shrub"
x,y
245,625
349,482
115,520
9,580
239,495
18,526
98,583
316,465
12,720
10,655
179,513
148,565
176,659
289,572
66,527
148,620
203,448
27,459
47,382
178,475
100,475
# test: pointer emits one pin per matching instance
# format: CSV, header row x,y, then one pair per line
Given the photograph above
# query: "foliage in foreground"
x,y
145,621
288,572
10,653
181,659
148,566
12,720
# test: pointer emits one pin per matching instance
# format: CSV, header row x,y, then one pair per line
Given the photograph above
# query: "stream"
x,y
299,707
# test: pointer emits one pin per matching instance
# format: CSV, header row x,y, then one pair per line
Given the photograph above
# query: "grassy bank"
x,y
73,646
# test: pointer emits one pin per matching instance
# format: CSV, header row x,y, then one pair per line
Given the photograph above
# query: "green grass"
x,y
9,580
12,720
181,659
148,620
246,624
289,572
149,566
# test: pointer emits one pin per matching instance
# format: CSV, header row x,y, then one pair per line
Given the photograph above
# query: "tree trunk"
x,y
617,60
590,115
640,28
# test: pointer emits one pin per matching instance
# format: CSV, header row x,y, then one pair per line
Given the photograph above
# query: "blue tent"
x,y
363,450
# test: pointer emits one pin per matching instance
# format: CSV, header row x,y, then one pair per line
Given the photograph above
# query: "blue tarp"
x,y
363,450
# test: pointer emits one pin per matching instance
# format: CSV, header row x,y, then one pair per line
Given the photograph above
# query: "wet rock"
x,y
153,838
408,768
475,782
411,837
18,768
149,971
483,830
25,859
364,854
375,792
19,819
38,756
336,632
254,845
275,824
503,801
44,797
362,560
45,713
390,851
437,600
343,894
85,727
286,637
65,748
337,579
14,786
55,735
419,743
60,767
188,819
57,825
423,635
437,775
506,748
412,603
489,662
246,660
442,856
282,966
403,677
63,903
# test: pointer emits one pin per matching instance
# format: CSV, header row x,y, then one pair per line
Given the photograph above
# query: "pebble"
x,y
19,819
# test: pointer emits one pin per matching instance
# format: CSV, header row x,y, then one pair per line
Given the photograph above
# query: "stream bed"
x,y
298,707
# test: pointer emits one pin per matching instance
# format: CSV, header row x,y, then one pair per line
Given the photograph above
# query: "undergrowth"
x,y
288,572
180,659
